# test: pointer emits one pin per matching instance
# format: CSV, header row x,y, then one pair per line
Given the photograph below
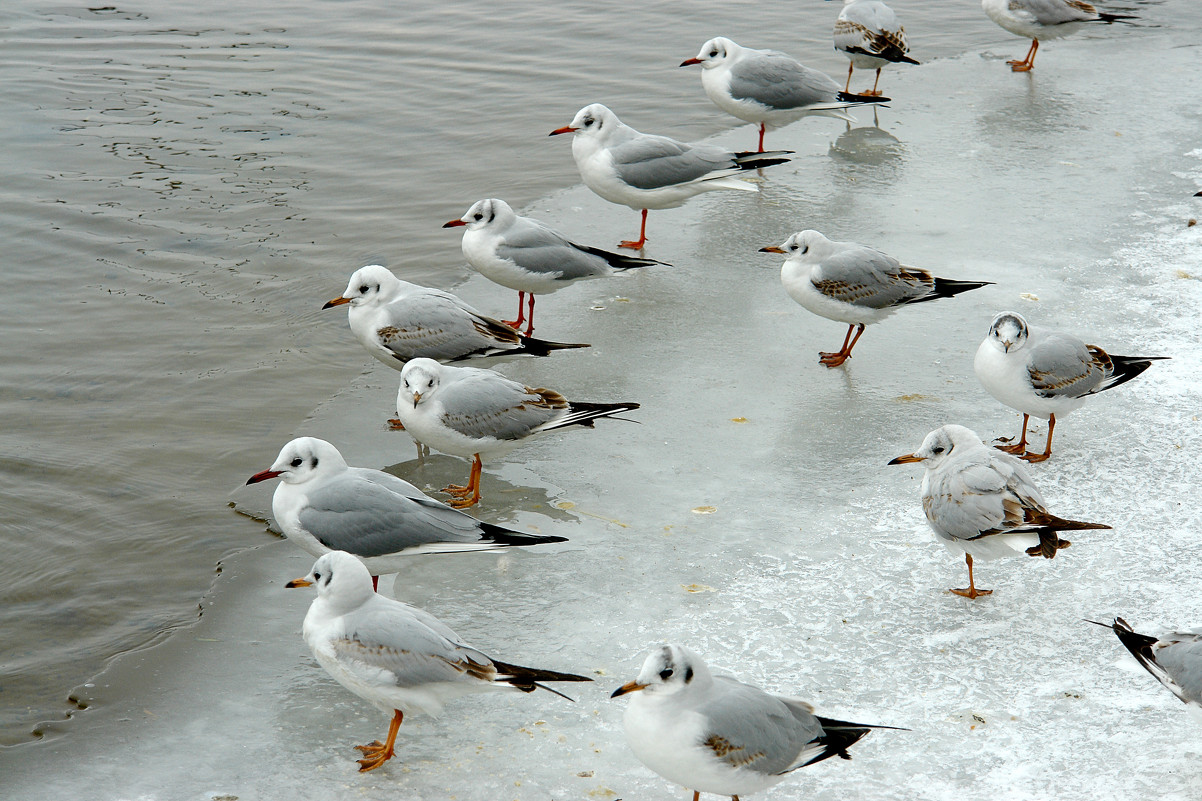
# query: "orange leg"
x,y
850,69
1018,448
874,92
1047,449
469,495
521,313
1028,63
761,150
637,244
844,353
377,753
972,591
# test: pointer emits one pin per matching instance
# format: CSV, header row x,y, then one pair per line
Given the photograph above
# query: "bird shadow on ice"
x,y
869,145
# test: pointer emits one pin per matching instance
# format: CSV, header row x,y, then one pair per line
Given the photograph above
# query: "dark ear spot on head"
x,y
313,463
688,675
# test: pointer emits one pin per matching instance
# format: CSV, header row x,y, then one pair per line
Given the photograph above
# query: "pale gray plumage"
x,y
648,161
779,81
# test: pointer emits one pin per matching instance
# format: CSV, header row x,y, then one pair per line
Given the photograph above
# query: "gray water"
x,y
221,180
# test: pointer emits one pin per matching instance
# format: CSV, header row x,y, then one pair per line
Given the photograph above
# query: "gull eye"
x,y
665,674
430,383
316,576
363,289
937,450
713,54
478,217
588,121
297,462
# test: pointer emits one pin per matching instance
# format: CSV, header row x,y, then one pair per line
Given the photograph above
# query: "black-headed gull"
x,y
1043,19
524,254
474,413
871,36
397,321
983,503
1044,373
1175,659
854,284
398,658
322,504
715,734
645,171
768,88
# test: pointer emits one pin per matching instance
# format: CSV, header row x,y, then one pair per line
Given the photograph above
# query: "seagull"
x,y
524,254
398,658
472,413
768,88
1043,19
397,321
870,35
854,284
323,505
644,171
715,734
1044,373
1175,659
983,503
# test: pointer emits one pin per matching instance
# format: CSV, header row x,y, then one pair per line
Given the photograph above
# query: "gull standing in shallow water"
x,y
854,284
524,254
983,503
768,88
397,321
398,658
324,505
473,413
1044,373
644,171
871,36
715,734
1043,19
1175,659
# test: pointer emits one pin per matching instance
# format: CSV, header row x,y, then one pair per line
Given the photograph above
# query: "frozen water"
x,y
750,513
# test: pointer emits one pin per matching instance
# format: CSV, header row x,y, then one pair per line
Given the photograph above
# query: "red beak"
x,y
266,474
688,62
564,129
453,224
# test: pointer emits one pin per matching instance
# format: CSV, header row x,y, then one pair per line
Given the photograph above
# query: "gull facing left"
x,y
644,171
768,88
983,503
398,658
1175,659
473,413
715,734
854,284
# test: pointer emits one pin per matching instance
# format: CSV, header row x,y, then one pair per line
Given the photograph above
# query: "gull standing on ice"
x,y
644,171
983,503
1175,659
1044,373
473,413
397,321
715,734
324,505
524,254
398,658
1043,19
854,284
768,88
871,36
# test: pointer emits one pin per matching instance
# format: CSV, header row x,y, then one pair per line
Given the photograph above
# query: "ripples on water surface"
x,y
184,185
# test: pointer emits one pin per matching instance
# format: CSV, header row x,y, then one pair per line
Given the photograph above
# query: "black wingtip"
x,y
848,97
506,536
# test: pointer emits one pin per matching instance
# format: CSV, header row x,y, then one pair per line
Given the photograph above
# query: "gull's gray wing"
x,y
1054,12
1062,366
537,248
370,513
867,277
650,162
750,729
776,80
482,404
438,325
1180,656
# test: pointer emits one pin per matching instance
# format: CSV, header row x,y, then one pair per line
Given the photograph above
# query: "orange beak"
x,y
292,585
564,129
628,687
907,459
338,301
772,249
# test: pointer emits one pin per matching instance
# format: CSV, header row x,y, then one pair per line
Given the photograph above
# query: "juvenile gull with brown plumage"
x,y
871,36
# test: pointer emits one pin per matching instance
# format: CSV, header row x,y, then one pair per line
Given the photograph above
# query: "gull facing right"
x,y
398,658
644,171
854,284
871,36
983,503
473,413
715,734
1043,373
1043,19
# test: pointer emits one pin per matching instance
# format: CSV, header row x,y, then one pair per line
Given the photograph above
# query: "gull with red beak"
x,y
644,171
524,254
1044,373
715,734
983,503
474,413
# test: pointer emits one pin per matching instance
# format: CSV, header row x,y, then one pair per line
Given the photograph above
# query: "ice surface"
x,y
749,513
